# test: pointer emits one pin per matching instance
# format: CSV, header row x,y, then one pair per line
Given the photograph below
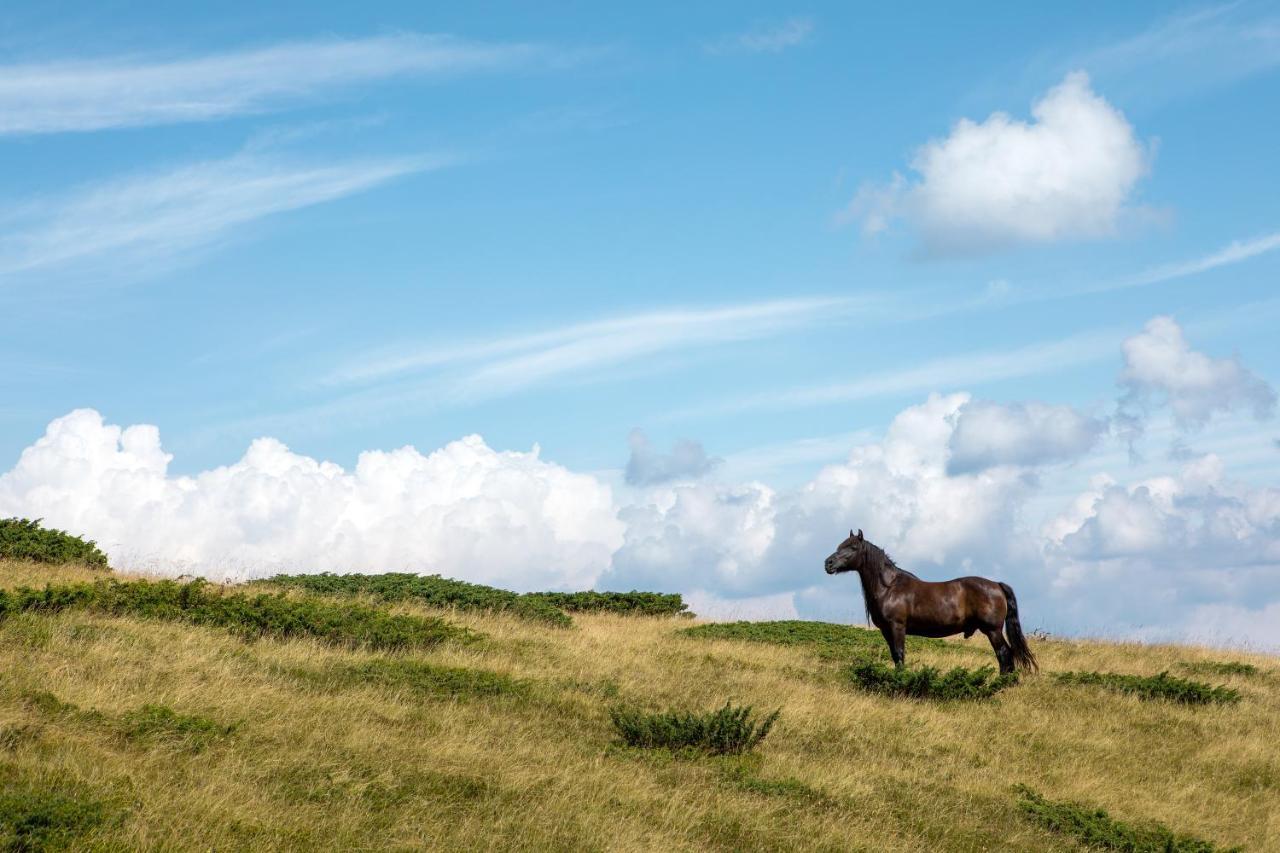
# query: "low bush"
x,y
1095,828
830,640
627,603
727,731
250,616
1162,686
927,682
431,590
23,539
45,816
1219,667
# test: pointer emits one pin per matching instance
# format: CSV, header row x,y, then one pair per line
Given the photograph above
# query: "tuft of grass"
x,y
427,679
830,640
1162,686
249,616
162,723
431,590
927,682
632,603
1096,828
1219,667
745,779
25,539
726,731
46,816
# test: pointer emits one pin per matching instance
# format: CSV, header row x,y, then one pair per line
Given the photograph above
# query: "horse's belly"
x,y
930,629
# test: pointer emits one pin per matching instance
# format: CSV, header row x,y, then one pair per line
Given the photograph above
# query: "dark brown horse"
x,y
899,603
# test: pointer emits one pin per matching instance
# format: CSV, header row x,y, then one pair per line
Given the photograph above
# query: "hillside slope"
x,y
119,732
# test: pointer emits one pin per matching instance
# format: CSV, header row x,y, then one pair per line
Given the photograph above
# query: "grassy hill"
x,y
127,726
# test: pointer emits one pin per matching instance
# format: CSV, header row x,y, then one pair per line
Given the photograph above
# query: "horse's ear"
x,y
850,532
859,533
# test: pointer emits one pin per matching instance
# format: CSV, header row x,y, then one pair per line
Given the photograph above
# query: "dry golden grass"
x,y
322,763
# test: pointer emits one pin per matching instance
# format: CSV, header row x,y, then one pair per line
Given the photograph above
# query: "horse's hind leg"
x,y
1003,653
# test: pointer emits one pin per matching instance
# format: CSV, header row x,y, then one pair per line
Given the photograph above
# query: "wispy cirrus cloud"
x,y
969,369
1191,50
765,39
133,91
522,359
132,222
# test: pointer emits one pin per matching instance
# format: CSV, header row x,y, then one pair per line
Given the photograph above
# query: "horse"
x,y
899,603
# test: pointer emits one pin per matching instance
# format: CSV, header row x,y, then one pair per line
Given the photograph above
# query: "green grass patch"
x,y
1096,828
828,639
249,616
24,539
1162,686
428,679
40,817
927,682
154,723
744,778
625,603
431,590
1219,667
726,731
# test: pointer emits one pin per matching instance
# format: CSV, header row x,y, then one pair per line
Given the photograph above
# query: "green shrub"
x,y
1096,828
251,616
928,682
830,640
431,590
21,539
427,678
727,731
1162,686
160,722
627,603
1218,667
45,816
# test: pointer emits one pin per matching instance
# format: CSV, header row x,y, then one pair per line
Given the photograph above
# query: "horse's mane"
x,y
879,559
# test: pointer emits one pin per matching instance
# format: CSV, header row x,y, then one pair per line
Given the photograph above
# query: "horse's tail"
x,y
1022,655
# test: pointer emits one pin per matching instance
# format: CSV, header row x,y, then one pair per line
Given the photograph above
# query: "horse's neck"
x,y
876,578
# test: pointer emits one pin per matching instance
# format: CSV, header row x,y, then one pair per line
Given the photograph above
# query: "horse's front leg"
x,y
895,634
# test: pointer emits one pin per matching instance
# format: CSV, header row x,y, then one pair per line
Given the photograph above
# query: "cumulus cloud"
x,y
988,434
464,510
749,540
1161,367
1068,173
649,466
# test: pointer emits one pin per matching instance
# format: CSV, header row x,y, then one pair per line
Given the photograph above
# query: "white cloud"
x,y
144,219
1189,552
131,92
988,434
1161,367
1067,174
773,39
752,540
465,510
648,466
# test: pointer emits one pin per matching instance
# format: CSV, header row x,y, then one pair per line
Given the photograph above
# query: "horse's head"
x,y
848,557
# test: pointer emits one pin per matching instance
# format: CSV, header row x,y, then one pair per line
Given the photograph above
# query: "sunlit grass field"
x,y
131,734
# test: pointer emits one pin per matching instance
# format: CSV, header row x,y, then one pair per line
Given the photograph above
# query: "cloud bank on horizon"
x,y
947,489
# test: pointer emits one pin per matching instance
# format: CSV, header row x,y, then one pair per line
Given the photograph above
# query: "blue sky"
x,y
757,234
